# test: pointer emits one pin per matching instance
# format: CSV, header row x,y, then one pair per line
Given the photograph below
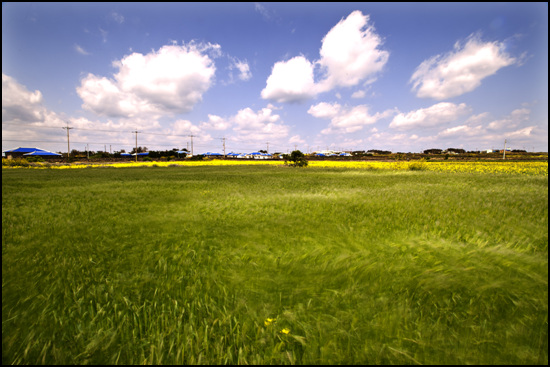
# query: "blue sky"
x,y
403,77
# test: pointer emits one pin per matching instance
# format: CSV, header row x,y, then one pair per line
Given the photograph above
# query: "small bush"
x,y
296,159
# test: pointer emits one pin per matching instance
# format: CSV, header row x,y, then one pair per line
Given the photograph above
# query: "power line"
x,y
85,129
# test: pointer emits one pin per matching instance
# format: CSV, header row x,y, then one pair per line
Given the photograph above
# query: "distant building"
x,y
21,152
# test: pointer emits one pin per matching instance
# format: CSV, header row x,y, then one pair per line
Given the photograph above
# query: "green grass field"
x,y
187,264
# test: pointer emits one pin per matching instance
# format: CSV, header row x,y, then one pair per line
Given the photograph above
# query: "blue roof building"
x,y
21,151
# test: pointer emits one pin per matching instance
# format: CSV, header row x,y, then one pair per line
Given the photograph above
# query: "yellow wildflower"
x,y
268,321
285,331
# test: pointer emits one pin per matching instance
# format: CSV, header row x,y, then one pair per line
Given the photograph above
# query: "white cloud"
x,y
185,127
461,70
241,66
477,119
80,50
244,70
350,53
117,17
359,94
461,131
262,10
215,123
259,126
512,121
433,116
19,104
296,139
346,120
104,34
324,110
290,81
170,80
250,127
526,132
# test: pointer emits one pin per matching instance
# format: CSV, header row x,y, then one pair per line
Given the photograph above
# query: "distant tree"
x,y
375,151
456,150
139,150
296,159
262,151
433,151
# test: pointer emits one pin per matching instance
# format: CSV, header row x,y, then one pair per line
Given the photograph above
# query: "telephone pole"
x,y
267,147
504,151
223,140
136,132
191,144
68,144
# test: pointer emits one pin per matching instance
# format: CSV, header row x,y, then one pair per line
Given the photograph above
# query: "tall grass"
x,y
185,265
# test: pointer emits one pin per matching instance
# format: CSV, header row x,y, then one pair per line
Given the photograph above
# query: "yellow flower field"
x,y
504,167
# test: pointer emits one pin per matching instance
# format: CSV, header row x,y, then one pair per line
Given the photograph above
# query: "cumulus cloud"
x,y
433,116
350,54
290,81
461,70
344,119
250,127
169,80
184,127
19,104
258,126
215,123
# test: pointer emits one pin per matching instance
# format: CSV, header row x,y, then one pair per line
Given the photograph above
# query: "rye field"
x,y
268,264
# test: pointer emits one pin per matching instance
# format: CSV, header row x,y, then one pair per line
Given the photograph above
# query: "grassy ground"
x,y
273,265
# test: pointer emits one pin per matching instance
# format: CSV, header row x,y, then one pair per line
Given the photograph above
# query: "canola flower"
x,y
285,331
483,167
268,321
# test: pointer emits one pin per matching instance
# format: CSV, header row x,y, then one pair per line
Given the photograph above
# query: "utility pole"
x,y
68,145
504,151
136,132
191,144
267,147
223,139
88,151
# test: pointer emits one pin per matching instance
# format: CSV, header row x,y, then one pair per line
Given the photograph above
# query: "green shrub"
x,y
296,159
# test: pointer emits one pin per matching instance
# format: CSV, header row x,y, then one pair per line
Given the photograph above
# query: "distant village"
x,y
142,153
